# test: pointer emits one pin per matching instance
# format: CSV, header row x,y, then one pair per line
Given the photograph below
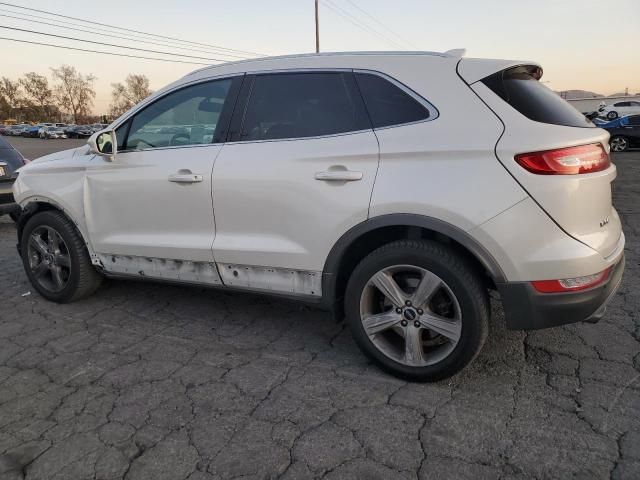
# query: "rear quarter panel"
x,y
446,167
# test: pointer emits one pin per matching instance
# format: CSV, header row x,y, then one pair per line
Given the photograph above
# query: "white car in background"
x,y
619,109
346,181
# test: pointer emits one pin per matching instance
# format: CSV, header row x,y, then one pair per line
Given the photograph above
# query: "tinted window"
x,y
298,105
634,120
186,117
621,104
520,88
634,104
387,103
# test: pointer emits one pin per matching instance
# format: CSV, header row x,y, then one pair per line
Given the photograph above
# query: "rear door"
x,y
537,120
297,173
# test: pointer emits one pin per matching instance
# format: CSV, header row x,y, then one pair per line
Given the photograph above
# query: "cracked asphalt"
x,y
145,381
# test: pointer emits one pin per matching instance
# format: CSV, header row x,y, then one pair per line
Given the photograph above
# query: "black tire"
x,y
83,278
619,143
612,115
459,276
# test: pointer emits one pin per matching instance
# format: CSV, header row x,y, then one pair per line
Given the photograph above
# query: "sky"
x,y
581,44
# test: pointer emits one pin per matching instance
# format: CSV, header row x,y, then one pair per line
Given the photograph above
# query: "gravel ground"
x,y
161,382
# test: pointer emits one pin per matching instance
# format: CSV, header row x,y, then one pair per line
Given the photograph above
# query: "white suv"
x,y
395,189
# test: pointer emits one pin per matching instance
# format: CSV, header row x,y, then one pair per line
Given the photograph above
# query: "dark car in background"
x,y
10,161
79,131
31,131
624,131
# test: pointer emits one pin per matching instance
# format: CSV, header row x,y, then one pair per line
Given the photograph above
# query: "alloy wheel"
x,y
411,315
49,259
619,144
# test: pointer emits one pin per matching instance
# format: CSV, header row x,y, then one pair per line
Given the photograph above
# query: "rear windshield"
x,y
520,88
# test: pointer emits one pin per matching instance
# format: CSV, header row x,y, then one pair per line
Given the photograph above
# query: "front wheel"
x,y
612,115
619,143
417,309
55,258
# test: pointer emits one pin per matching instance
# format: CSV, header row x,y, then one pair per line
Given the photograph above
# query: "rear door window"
x,y
520,88
387,103
300,105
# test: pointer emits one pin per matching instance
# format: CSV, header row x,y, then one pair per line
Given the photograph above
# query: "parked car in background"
x,y
31,131
625,132
10,161
42,128
4,128
79,131
619,109
96,127
16,130
343,180
53,132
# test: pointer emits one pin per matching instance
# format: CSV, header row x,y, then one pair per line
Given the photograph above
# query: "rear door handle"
x,y
185,178
339,176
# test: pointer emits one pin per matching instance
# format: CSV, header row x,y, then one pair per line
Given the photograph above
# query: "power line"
x,y
130,30
400,37
102,52
111,44
60,24
348,16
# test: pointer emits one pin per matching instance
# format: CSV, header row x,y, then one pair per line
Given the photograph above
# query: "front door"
x,y
152,204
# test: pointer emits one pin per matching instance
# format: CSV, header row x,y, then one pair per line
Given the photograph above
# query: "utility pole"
x,y
317,30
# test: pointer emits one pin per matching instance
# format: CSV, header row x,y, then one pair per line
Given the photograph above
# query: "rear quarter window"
x,y
520,88
387,103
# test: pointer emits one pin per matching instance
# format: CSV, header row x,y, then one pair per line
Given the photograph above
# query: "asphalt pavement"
x,y
146,381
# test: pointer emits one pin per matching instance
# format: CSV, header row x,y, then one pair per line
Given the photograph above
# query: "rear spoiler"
x,y
473,69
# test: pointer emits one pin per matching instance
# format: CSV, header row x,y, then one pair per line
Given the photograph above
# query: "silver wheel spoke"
x,y
39,244
56,274
389,288
63,260
413,353
380,322
40,269
54,245
426,288
449,328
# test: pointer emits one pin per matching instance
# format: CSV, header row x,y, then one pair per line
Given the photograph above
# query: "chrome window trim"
x,y
152,99
434,113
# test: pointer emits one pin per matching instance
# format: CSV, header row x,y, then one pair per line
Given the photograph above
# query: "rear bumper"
x,y
527,309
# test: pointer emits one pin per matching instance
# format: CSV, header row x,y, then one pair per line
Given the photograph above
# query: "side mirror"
x,y
104,143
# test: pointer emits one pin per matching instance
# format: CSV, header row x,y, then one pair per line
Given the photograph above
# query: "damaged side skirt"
x,y
266,279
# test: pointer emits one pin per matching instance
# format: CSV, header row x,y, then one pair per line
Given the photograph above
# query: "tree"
x,y
37,94
10,93
124,96
74,91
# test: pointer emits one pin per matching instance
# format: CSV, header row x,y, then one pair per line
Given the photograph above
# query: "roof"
x,y
448,54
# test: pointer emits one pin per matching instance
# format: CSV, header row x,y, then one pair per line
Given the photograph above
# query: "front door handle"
x,y
339,176
185,177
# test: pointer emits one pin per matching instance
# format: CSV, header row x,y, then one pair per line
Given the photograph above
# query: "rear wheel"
x,y
417,309
612,115
56,260
619,143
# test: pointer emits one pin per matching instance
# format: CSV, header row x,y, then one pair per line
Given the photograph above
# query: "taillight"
x,y
566,161
572,284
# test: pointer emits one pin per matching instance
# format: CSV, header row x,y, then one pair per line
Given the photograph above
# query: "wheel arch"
x,y
41,204
365,237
